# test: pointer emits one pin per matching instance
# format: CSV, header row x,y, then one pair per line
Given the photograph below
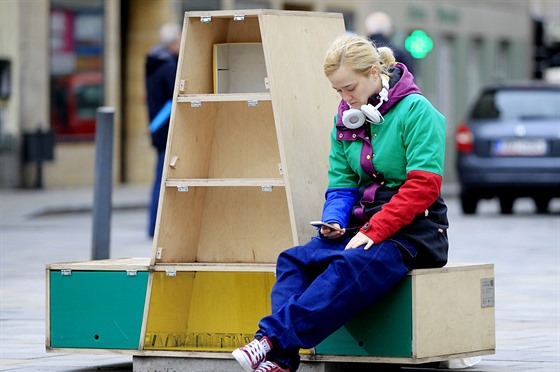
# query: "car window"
x,y
518,105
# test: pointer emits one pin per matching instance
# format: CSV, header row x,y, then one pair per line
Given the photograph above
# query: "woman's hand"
x,y
329,233
358,240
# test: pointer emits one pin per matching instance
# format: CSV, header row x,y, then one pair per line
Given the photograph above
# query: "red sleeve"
x,y
420,190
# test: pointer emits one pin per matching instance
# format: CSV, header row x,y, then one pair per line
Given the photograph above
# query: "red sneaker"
x,y
270,366
251,355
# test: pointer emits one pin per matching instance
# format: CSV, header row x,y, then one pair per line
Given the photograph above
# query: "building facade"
x,y
61,59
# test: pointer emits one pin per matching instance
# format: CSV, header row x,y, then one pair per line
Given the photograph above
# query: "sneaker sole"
x,y
242,360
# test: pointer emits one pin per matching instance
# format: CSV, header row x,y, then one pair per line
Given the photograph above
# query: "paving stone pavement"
x,y
38,227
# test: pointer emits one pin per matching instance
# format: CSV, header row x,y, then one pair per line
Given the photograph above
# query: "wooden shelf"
x,y
241,267
224,97
225,182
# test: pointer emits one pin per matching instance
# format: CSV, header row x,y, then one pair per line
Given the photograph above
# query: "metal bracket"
x,y
131,272
196,103
182,84
239,17
65,272
280,169
205,19
253,103
266,188
171,272
266,83
182,188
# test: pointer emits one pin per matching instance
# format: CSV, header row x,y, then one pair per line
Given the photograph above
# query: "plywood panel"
x,y
195,63
448,313
304,104
206,311
178,225
190,141
239,68
245,143
244,224
96,309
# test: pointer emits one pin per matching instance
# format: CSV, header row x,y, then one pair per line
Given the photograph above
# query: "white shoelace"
x,y
266,366
256,351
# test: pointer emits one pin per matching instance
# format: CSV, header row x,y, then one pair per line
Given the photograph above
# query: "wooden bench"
x,y
102,307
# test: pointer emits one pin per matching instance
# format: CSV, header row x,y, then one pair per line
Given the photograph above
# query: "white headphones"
x,y
354,118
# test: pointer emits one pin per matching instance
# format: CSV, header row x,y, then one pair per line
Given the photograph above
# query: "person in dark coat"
x,y
379,28
161,68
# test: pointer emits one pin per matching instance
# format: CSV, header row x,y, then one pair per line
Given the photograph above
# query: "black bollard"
x,y
103,183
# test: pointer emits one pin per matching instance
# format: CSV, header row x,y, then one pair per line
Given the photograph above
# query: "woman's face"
x,y
353,88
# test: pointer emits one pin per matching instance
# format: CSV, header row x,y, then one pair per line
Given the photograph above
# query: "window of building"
x,y
503,61
76,56
248,4
349,18
474,66
198,5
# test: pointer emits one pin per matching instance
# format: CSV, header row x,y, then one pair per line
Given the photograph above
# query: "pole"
x,y
102,183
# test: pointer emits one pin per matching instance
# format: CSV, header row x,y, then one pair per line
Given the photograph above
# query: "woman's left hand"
x,y
358,240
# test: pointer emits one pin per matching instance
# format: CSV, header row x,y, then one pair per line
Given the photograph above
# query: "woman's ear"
x,y
374,70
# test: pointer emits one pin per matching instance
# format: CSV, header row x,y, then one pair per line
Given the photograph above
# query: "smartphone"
x,y
321,223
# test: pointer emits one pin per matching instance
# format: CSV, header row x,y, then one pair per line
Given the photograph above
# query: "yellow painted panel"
x,y
206,311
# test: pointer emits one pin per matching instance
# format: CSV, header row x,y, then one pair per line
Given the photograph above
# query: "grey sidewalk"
x,y
48,226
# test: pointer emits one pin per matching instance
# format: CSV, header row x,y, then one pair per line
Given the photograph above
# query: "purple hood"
x,y
401,84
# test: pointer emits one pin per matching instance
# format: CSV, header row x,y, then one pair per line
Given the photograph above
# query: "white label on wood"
x,y
487,292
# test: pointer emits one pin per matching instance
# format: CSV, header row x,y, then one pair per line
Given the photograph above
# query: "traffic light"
x,y
419,44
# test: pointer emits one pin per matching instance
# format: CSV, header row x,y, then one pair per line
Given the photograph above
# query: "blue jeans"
x,y
155,193
320,287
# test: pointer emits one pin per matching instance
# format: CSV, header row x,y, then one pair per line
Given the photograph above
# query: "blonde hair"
x,y
357,54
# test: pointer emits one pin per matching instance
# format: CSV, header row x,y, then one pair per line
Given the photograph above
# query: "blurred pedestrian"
x,y
379,29
161,67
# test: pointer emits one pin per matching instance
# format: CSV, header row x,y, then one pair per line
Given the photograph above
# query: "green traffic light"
x,y
419,44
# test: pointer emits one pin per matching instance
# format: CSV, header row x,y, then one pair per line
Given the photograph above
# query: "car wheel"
x,y
506,204
542,204
468,203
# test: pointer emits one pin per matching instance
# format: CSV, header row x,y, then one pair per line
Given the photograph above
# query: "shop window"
x,y
76,50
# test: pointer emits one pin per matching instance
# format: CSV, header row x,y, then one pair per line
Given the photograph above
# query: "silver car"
x,y
509,146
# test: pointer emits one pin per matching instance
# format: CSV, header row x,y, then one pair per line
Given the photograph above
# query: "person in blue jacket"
x,y
383,205
161,67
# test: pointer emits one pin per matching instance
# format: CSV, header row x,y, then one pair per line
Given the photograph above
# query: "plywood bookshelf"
x,y
246,170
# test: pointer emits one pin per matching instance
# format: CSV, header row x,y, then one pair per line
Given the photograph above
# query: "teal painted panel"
x,y
383,330
97,309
